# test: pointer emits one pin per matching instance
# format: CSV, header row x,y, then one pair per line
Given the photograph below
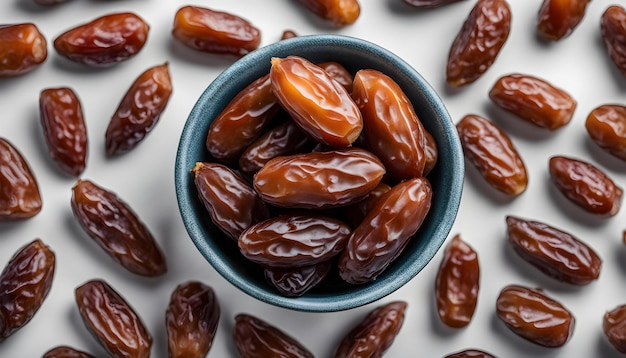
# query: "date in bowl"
x,y
333,294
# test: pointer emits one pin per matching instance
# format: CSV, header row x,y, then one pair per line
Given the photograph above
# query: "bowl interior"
x,y
333,294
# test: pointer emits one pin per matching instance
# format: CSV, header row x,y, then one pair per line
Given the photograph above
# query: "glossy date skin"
x,y
586,185
255,338
558,18
614,327
216,32
606,126
613,31
470,353
337,12
63,123
356,212
117,229
66,352
385,231
457,284
22,49
296,281
112,321
375,333
479,42
191,320
339,73
428,4
104,41
19,191
491,151
24,285
534,316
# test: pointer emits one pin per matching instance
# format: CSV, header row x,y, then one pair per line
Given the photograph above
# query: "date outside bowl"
x,y
333,294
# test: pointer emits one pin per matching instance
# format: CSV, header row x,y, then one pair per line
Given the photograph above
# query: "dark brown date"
x,y
66,352
432,153
115,227
606,126
112,321
19,191
191,320
338,73
491,151
558,18
533,100
613,30
586,185
384,233
554,252
104,41
255,338
296,281
470,353
338,12
457,284
356,212
428,4
614,327
231,202
64,129
213,31
479,42
22,48
294,240
375,333
534,316
24,285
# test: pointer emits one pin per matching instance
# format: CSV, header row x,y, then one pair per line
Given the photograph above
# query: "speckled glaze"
x,y
333,294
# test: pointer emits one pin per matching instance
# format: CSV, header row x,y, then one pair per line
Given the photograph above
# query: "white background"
x,y
144,177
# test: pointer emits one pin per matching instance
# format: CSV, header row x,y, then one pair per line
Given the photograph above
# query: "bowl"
x,y
333,294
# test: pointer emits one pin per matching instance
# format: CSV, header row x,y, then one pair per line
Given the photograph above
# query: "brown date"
x,y
339,73
338,12
22,48
614,327
104,41
457,284
66,352
112,321
613,30
491,151
294,240
479,42
117,229
428,4
24,285
319,179
255,338
191,320
356,212
432,153
296,281
534,316
214,31
19,191
288,34
606,126
64,129
384,233
586,185
319,104
558,18
375,333
470,353
391,128
533,100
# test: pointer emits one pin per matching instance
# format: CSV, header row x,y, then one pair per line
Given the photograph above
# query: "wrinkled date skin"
x,y
64,129
554,252
491,151
24,285
356,212
613,30
319,179
606,126
112,321
22,49
319,104
428,4
242,121
534,316
296,281
586,185
337,12
338,73
294,240
470,353
104,41
457,284
19,191
231,202
614,327
115,227
66,352
216,32
375,333
558,18
139,111
479,42
533,100
255,338
391,127
385,231
191,320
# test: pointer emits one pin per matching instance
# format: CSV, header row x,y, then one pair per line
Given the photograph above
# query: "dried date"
x,y
338,12
22,49
356,212
470,353
19,190
558,18
606,126
614,327
296,281
613,31
66,352
432,153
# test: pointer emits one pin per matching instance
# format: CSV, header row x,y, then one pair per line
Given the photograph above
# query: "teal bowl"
x,y
333,294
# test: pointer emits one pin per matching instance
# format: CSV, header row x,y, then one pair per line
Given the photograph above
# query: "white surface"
x,y
144,177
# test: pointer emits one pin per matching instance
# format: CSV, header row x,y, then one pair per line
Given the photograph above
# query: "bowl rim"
x,y
305,303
